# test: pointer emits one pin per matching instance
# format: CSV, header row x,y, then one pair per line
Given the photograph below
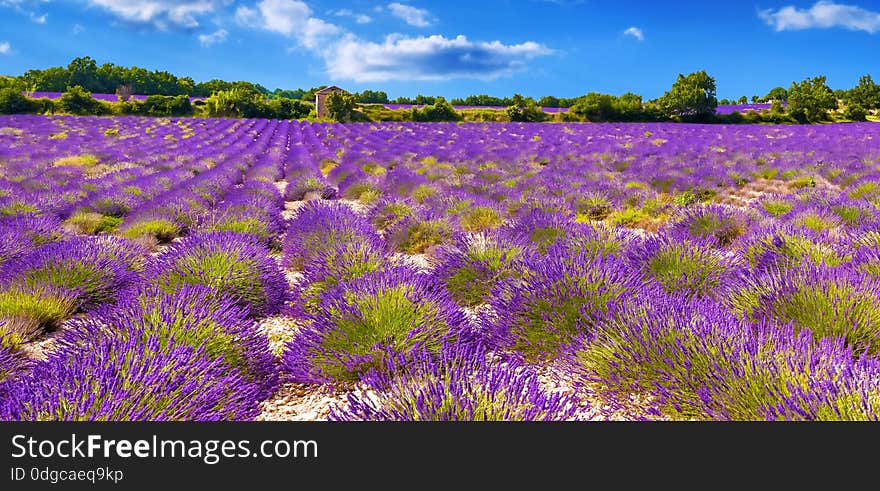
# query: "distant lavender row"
x,y
100,97
551,110
742,108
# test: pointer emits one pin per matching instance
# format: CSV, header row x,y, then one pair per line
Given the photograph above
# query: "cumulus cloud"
x,y
215,37
635,32
427,58
162,14
822,15
358,18
411,15
5,48
291,18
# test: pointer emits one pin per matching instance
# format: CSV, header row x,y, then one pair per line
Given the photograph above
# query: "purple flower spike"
x,y
465,383
355,326
229,263
126,378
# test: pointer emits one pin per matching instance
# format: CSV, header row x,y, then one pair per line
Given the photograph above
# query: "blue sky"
x,y
456,48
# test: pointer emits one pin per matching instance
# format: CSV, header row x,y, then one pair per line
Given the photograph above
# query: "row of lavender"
x,y
535,257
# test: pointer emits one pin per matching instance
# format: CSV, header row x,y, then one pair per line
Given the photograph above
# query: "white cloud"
x,y
5,48
635,32
822,15
215,37
78,29
358,18
411,15
163,14
39,19
291,18
427,58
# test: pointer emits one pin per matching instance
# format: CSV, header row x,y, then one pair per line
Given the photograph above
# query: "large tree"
x,y
811,99
866,94
691,96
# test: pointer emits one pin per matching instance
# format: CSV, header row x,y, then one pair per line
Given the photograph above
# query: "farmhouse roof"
x,y
331,88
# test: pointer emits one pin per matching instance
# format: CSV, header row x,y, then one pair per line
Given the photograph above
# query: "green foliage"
x,y
440,110
341,106
525,109
604,107
89,223
77,100
810,100
163,230
25,311
854,112
685,268
417,236
13,102
691,97
865,95
480,219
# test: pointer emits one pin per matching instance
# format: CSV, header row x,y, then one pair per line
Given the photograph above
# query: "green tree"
x,y
77,100
855,112
776,94
13,102
439,111
525,109
691,97
810,100
341,106
865,94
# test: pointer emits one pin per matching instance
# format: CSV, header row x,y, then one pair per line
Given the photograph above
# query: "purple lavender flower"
x,y
99,270
561,298
230,264
355,326
193,316
474,265
696,360
321,226
464,383
720,225
126,378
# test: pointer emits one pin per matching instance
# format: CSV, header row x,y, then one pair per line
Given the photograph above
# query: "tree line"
x,y
691,97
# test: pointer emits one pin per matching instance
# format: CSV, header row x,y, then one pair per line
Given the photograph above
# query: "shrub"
x,y
462,384
480,219
123,378
13,102
473,266
363,322
230,264
320,227
415,236
563,298
28,311
297,190
193,316
718,224
691,268
161,229
98,270
90,223
828,301
698,361
343,263
387,213
77,100
785,247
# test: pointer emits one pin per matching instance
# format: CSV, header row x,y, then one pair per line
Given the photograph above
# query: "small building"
x,y
321,99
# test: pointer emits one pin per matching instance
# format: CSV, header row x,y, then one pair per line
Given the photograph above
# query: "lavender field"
x,y
239,269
